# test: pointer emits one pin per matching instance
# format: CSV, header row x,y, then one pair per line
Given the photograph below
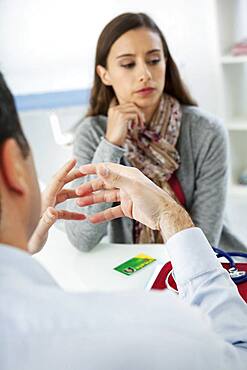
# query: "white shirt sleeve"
x,y
202,281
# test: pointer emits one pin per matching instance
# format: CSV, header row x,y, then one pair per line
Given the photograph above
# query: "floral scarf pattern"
x,y
153,151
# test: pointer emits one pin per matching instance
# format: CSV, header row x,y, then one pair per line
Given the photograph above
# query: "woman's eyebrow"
x,y
125,55
132,55
153,51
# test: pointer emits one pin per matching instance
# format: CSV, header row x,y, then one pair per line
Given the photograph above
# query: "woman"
x,y
142,115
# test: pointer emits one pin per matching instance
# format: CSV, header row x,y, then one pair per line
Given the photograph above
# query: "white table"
x,y
87,271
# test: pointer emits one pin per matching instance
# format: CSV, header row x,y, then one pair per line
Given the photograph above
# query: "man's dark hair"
x,y
10,126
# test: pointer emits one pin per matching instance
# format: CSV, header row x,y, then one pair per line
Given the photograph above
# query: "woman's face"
x,y
136,68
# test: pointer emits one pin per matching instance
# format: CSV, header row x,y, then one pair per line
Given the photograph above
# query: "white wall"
x,y
49,45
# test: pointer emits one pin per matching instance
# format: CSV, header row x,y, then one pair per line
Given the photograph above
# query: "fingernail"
x,y
78,192
78,202
104,171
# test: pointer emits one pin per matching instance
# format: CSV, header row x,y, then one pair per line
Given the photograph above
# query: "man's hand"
x,y
139,198
53,195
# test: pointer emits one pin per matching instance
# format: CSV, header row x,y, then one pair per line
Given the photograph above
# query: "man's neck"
x,y
13,243
12,234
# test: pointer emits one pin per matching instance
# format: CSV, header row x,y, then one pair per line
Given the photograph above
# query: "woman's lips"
x,y
145,91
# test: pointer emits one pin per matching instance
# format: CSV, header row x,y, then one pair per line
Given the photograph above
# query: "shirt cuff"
x,y
120,148
191,255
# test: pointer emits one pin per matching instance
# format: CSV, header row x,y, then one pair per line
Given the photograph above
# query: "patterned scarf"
x,y
152,150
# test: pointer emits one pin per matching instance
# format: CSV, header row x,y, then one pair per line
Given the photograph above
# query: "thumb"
x,y
49,218
40,234
104,171
112,177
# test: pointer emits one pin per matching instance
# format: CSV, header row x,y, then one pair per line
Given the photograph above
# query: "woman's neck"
x,y
150,111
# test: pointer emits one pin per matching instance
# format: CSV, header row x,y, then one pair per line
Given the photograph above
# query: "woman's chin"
x,y
147,102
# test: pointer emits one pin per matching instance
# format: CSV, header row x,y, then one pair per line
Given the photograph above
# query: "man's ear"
x,y
13,166
103,75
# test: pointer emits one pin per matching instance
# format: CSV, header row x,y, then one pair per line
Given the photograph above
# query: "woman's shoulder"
x,y
201,123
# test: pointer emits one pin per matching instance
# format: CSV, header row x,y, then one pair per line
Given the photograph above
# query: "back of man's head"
x,y
9,122
19,190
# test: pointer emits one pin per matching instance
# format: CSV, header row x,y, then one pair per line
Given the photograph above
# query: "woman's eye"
x,y
154,61
128,65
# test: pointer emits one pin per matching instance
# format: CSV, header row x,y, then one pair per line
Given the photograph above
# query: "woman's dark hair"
x,y
101,95
9,121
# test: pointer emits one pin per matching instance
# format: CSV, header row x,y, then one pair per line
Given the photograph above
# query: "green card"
x,y
134,264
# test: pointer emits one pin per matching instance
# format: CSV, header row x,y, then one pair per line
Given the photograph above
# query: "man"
x,y
43,327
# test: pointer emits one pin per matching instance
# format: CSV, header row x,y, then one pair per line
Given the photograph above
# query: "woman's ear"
x,y
13,167
103,75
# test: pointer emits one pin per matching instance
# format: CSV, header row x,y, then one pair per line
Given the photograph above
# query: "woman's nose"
x,y
144,74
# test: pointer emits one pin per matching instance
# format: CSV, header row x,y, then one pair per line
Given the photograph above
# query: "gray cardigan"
x,y
203,148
